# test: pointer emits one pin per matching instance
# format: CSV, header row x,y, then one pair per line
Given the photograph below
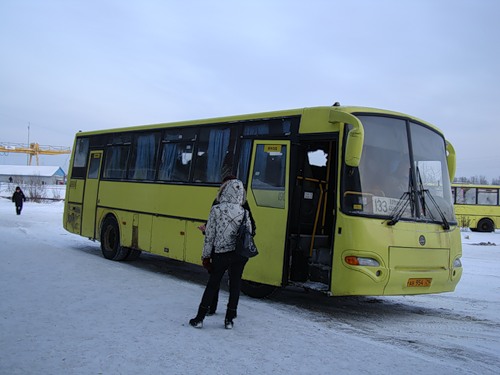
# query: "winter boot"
x,y
211,311
228,321
213,306
197,321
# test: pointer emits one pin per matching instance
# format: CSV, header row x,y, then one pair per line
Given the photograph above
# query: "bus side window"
x,y
80,159
215,148
144,157
175,162
486,197
116,162
470,196
176,154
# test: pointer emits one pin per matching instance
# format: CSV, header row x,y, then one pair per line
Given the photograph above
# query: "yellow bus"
x,y
477,206
347,200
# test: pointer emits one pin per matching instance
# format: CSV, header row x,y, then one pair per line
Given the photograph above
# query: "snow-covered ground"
x,y
64,309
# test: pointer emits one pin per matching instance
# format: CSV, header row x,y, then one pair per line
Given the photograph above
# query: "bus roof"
x,y
258,116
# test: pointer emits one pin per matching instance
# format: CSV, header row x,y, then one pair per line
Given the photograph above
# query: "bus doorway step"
x,y
312,285
320,265
319,273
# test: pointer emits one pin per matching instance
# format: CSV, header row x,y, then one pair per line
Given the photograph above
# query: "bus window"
x,y
80,158
214,156
466,195
117,155
317,158
431,173
82,150
175,163
380,182
282,127
487,197
269,175
246,147
177,155
95,162
143,157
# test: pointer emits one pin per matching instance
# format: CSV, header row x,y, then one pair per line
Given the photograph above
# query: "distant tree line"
x,y
478,180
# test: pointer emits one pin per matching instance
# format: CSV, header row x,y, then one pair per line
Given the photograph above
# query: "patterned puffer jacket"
x,y
225,219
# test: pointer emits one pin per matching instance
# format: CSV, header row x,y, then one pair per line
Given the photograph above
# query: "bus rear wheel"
x,y
257,290
485,225
110,240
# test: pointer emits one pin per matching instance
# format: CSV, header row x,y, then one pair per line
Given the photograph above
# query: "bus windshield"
x,y
403,173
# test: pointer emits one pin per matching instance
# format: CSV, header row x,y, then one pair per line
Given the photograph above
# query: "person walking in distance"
x,y
220,236
18,198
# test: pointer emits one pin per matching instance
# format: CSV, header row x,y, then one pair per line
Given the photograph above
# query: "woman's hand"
x,y
207,264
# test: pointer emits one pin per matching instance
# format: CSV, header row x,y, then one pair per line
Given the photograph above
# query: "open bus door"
x,y
90,194
312,216
267,195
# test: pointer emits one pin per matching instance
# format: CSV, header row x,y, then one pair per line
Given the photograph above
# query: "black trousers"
x,y
19,208
220,264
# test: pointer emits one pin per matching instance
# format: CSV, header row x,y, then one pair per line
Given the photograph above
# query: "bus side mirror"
x,y
451,158
355,137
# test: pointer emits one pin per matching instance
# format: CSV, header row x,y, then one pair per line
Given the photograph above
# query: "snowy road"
x,y
64,309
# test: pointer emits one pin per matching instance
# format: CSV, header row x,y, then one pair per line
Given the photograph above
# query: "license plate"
x,y
418,283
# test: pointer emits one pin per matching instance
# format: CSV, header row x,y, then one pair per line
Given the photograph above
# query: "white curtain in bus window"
x,y
143,162
116,162
268,181
465,195
213,149
176,162
218,144
177,155
487,197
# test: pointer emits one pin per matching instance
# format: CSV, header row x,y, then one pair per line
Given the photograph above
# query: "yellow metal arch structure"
x,y
33,149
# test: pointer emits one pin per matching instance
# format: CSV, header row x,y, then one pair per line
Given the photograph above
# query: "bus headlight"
x,y
457,263
358,261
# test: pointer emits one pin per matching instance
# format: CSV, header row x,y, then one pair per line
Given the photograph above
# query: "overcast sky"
x,y
69,65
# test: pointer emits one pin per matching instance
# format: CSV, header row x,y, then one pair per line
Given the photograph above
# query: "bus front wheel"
x,y
110,240
257,290
485,225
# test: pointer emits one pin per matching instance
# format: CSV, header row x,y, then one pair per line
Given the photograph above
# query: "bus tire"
x,y
110,240
485,225
257,290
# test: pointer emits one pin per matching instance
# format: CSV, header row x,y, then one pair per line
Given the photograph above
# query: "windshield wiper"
x,y
400,208
445,223
405,200
425,207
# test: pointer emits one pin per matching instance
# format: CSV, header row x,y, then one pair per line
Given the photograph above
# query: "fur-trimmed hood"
x,y
232,191
225,218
